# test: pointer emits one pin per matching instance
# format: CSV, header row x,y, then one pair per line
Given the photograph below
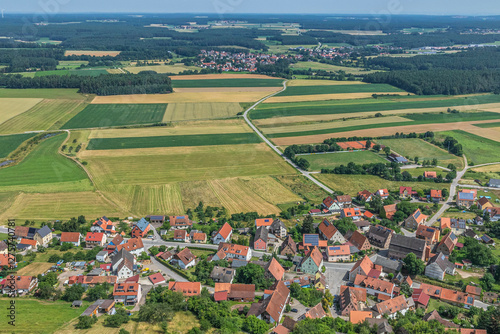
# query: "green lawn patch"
x,y
41,317
477,149
105,115
330,160
43,166
269,110
338,89
173,141
10,143
227,83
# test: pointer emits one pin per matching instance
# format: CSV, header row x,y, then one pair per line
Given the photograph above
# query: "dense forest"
x,y
105,84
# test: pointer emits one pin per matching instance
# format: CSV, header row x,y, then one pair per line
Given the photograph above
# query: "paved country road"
x,y
275,148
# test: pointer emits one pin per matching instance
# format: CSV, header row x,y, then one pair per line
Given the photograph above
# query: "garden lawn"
x,y
477,149
331,160
106,115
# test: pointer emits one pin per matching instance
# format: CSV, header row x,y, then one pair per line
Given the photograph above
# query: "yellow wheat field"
x,y
91,53
11,107
183,97
191,111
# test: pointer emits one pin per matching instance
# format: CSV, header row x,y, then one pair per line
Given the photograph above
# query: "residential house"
x,y
122,264
454,297
180,222
103,225
188,289
261,238
329,232
363,225
364,196
312,262
447,244
4,248
157,220
483,203
415,219
405,192
181,236
474,291
43,236
184,258
392,307
236,292
312,240
118,240
266,222
494,213
233,251
438,266
278,228
94,239
487,240
420,298
331,205
382,325
430,234
222,275
350,299
469,233
91,280
354,213
273,269
141,229
434,315
430,175
32,244
8,260
374,286
223,235
388,211
436,195
471,191
465,199
133,245
127,293
457,226
316,312
344,201
479,221
397,158
361,267
382,193
338,253
102,256
320,281
18,285
74,238
388,266
272,307
24,232
359,241
379,236
198,238
401,246
494,183
156,279
358,317
165,256
288,247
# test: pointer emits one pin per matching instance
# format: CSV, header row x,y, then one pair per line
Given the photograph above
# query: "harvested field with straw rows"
x,y
226,96
192,111
91,53
11,107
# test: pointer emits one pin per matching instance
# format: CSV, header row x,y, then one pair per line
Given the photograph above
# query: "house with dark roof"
x,y
104,225
434,315
43,236
184,258
401,246
438,266
329,232
494,183
24,232
122,264
382,325
278,228
359,241
222,275
223,234
447,244
141,228
288,247
414,220
261,238
272,306
397,158
379,236
388,266
465,199
483,203
312,262
157,219
4,248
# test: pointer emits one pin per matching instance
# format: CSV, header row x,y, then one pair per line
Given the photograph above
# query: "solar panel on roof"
x,y
311,239
429,230
417,214
334,248
180,217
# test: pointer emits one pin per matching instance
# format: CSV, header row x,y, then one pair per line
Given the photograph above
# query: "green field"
x,y
269,110
85,72
106,115
313,65
40,317
338,89
415,172
227,83
488,125
45,170
415,120
414,147
44,93
477,149
173,141
330,160
10,143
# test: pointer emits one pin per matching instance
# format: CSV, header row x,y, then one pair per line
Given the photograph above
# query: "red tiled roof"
x,y
126,289
233,248
263,222
327,228
392,306
28,242
436,193
276,269
220,295
199,237
94,236
70,236
365,263
359,240
156,278
357,317
131,245
225,230
419,296
374,283
188,289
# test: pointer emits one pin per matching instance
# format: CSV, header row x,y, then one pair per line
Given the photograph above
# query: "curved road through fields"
x,y
274,147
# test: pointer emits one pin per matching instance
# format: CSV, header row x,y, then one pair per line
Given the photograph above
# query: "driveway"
x,y
335,278
170,273
300,308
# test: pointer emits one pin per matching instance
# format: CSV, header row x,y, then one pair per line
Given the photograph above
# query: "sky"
x,y
381,7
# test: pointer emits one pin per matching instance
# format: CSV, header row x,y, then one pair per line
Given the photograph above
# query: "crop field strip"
x,y
307,82
339,89
45,170
195,97
173,141
105,115
221,76
325,97
91,53
356,106
11,107
227,83
95,72
43,116
42,93
161,68
10,143
193,111
331,160
413,120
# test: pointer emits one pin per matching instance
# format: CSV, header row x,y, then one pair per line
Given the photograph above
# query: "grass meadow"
x,y
327,67
105,115
330,160
478,150
10,143
42,93
227,83
338,89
